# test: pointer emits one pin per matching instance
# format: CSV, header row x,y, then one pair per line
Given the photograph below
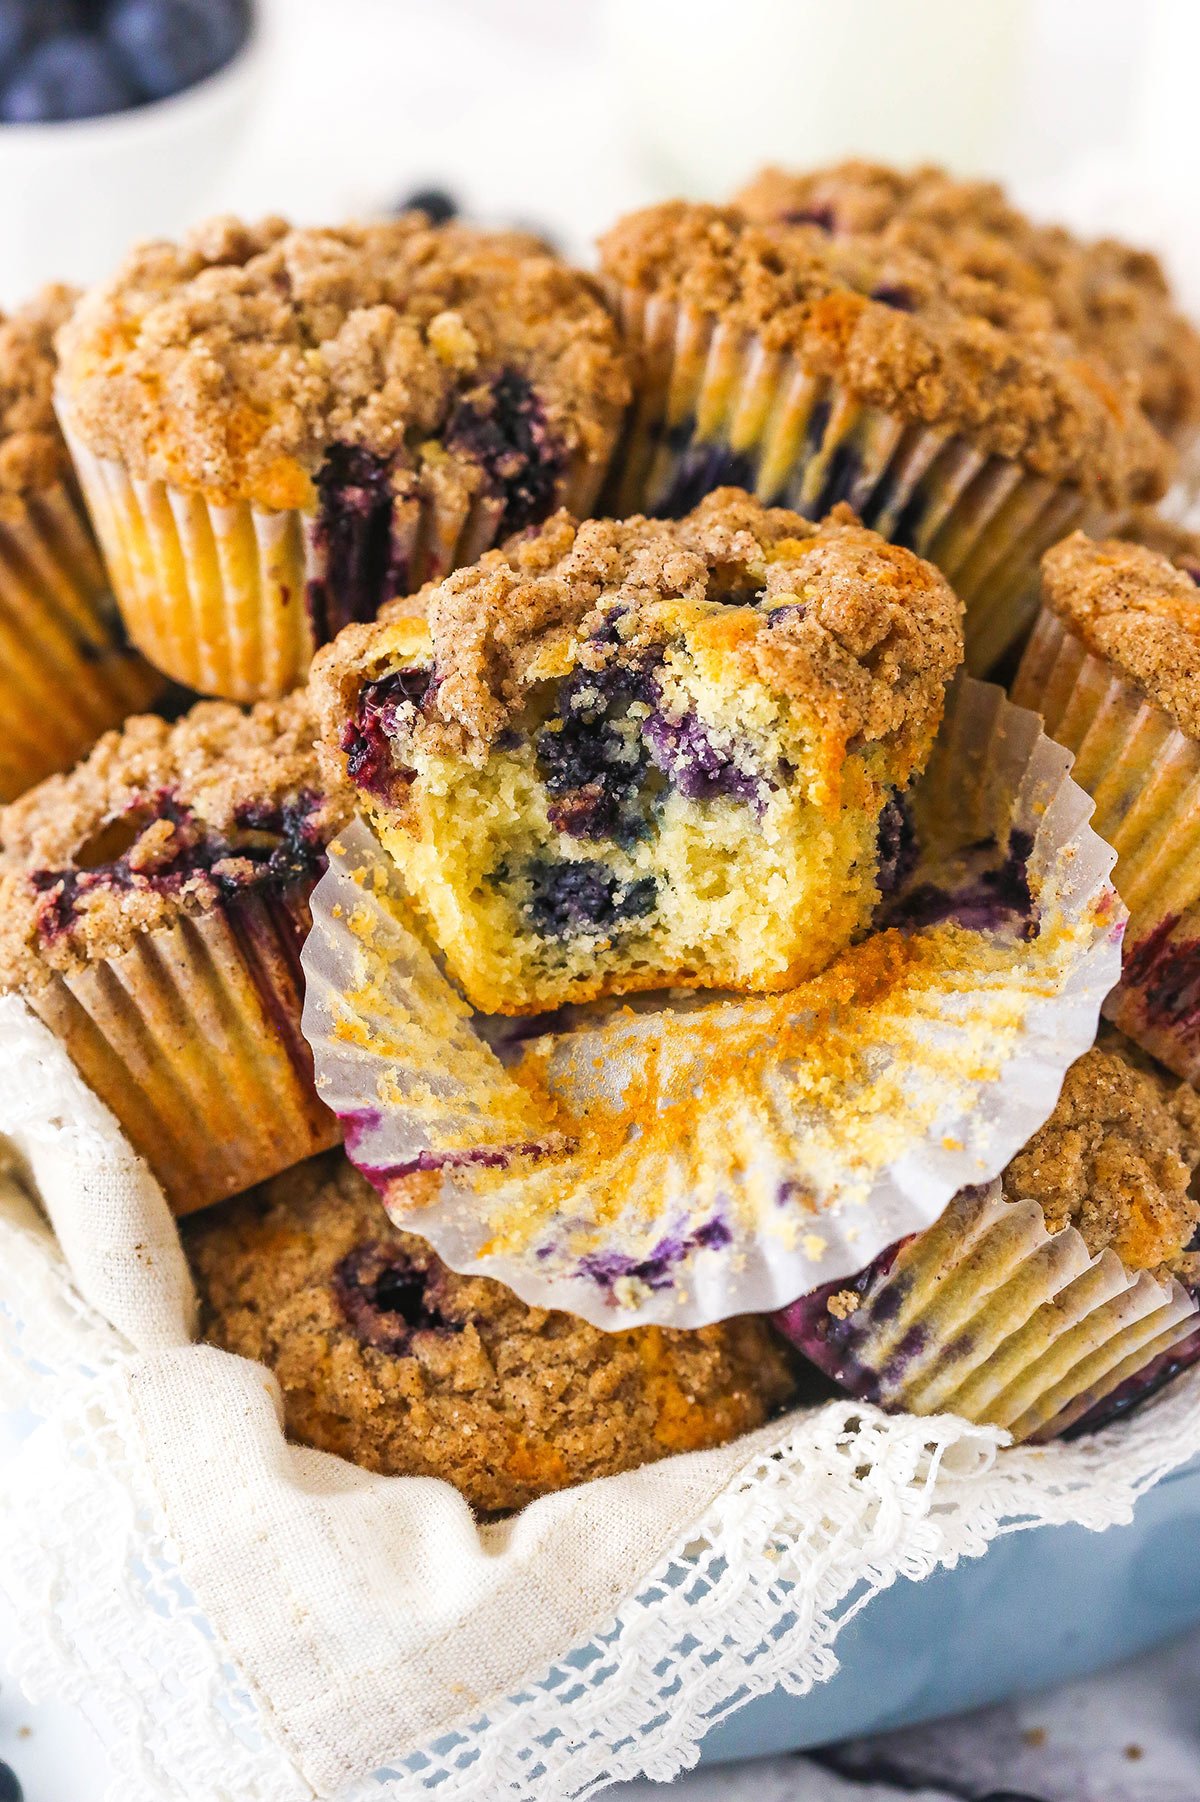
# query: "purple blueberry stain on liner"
x,y
656,1270
996,896
897,850
1165,973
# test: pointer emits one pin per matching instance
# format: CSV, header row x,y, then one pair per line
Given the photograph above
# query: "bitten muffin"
x,y
625,755
277,430
1069,1296
152,907
1113,300
388,1358
66,671
1114,668
814,368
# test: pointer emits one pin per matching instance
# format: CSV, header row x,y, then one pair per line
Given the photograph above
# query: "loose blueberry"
x,y
168,45
10,1789
891,294
77,76
24,23
437,205
567,899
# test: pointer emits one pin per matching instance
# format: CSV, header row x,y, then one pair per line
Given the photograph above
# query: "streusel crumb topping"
x,y
862,632
158,821
1138,610
230,361
386,1356
32,452
1112,298
904,334
1116,1157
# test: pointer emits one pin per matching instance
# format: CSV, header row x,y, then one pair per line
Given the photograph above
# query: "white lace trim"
x,y
832,1509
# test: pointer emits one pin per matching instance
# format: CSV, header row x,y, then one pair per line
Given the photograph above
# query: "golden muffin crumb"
x,y
1138,611
904,334
387,1357
231,361
1115,1159
1112,298
159,820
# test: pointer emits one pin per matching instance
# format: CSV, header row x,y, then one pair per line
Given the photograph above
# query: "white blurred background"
x,y
565,112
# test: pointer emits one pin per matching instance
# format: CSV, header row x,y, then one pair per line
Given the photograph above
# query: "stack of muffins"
x,y
631,602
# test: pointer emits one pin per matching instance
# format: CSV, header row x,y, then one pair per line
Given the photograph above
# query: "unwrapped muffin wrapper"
x,y
989,1316
1144,776
218,596
66,676
715,406
192,1037
679,1160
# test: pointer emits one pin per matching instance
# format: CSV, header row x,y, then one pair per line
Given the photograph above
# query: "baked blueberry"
x,y
653,753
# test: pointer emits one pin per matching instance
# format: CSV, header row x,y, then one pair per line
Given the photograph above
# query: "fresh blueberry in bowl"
x,y
63,60
74,76
10,1789
169,45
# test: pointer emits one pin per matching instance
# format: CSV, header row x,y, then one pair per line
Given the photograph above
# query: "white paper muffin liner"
x,y
681,1160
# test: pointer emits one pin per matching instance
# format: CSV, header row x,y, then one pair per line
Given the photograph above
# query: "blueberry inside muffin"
x,y
628,754
387,1357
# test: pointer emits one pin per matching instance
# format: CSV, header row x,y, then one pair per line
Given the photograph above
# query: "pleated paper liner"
x,y
682,1160
66,672
989,1316
1144,776
235,600
715,406
192,1037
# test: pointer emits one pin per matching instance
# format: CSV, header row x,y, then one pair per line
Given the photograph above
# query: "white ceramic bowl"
x,y
74,196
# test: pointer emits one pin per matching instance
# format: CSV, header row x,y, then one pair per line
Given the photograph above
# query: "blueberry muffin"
x,y
152,907
815,368
68,672
630,754
1062,1299
388,1358
1113,666
1112,299
277,430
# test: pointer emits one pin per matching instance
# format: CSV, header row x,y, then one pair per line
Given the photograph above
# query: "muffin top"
x,y
1136,609
387,1357
861,633
1116,1157
159,820
1113,299
232,361
905,334
32,452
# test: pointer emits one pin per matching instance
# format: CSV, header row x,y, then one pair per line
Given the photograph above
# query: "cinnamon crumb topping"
x,y
1116,1157
904,334
32,452
863,632
1137,610
158,821
230,361
1113,299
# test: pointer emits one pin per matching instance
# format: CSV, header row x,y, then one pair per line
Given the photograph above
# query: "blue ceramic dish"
x,y
1038,1608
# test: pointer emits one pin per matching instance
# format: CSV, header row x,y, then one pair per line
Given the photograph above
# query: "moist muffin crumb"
x,y
159,821
1115,1159
1135,609
390,1359
629,754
